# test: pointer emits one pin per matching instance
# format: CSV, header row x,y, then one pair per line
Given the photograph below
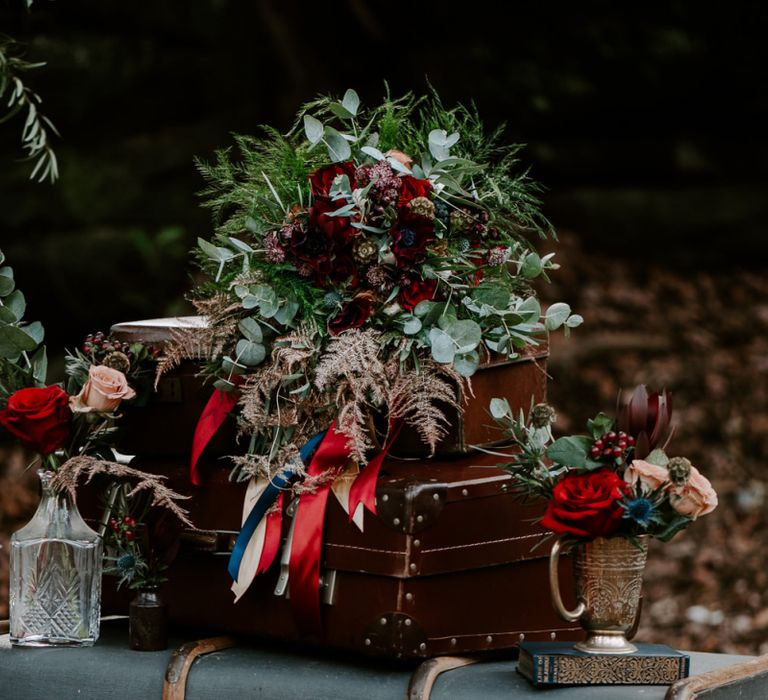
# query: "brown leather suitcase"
x,y
447,567
181,396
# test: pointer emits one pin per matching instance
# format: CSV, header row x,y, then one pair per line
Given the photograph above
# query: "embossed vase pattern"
x,y
55,587
609,578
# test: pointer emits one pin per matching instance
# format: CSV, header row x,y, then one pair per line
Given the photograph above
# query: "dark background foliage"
x,y
645,121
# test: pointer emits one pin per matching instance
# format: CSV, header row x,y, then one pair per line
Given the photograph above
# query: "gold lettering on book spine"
x,y
624,670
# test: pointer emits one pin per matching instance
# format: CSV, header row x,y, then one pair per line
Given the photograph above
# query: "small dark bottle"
x,y
148,621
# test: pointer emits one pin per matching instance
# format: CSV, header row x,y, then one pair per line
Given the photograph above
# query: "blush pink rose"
x,y
649,475
103,392
695,497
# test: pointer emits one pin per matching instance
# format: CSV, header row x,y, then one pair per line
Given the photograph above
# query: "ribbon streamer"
x,y
364,489
268,496
213,416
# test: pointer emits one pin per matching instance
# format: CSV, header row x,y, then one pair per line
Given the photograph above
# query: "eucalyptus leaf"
x,y
6,285
287,312
412,326
398,166
313,128
7,316
500,408
373,152
423,307
40,366
658,457
532,266
574,321
338,147
466,334
570,451
230,366
35,331
251,329
599,425
679,522
351,101
250,354
215,252
14,341
340,111
250,302
443,347
530,309
556,315
2,257
16,303
466,364
243,247
492,294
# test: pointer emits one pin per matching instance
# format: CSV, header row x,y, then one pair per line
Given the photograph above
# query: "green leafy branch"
x,y
18,97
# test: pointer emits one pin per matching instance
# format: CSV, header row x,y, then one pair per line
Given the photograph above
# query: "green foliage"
x,y
19,98
23,360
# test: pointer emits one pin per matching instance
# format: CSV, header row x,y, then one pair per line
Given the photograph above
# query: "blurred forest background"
x,y
647,125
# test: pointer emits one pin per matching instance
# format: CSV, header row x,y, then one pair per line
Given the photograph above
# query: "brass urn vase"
x,y
608,575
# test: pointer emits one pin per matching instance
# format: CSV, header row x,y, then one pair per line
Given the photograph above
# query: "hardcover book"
x,y
558,663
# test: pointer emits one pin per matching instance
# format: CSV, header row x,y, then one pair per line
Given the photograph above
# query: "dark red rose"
x,y
321,180
412,188
343,269
40,418
410,241
586,504
353,314
335,228
310,246
413,291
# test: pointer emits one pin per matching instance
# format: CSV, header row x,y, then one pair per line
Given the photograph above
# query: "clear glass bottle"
x,y
56,560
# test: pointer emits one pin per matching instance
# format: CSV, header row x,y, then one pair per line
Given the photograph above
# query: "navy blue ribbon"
x,y
264,503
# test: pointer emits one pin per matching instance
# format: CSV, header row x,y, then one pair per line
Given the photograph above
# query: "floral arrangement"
x,y
615,481
364,264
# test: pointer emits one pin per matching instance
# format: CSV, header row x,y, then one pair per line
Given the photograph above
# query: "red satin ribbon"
x,y
211,419
364,489
272,536
304,565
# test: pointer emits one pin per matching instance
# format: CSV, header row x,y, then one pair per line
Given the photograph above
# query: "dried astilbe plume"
x,y
70,472
205,342
352,370
264,467
415,398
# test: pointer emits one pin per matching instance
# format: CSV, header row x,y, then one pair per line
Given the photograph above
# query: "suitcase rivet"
x,y
413,567
464,492
396,521
409,596
504,487
419,518
489,639
385,497
422,647
522,637
367,641
552,635
453,642
408,622
436,496
417,543
383,620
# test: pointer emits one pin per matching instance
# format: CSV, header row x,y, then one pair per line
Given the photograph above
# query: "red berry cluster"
x,y
124,528
612,446
99,344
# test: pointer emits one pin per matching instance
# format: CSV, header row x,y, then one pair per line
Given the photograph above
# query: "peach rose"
x,y
695,497
103,392
400,157
649,475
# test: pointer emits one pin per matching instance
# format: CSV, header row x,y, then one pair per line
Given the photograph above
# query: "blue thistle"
x,y
641,510
331,299
463,244
441,211
407,237
126,563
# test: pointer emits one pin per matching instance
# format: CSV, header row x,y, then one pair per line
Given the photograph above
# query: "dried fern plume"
x,y
72,470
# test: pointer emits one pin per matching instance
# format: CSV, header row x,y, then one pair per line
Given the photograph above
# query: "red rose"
x,y
321,180
344,269
335,228
40,418
311,247
410,241
412,188
412,291
353,314
586,504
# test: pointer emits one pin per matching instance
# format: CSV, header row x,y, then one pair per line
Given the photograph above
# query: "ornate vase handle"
x,y
554,586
